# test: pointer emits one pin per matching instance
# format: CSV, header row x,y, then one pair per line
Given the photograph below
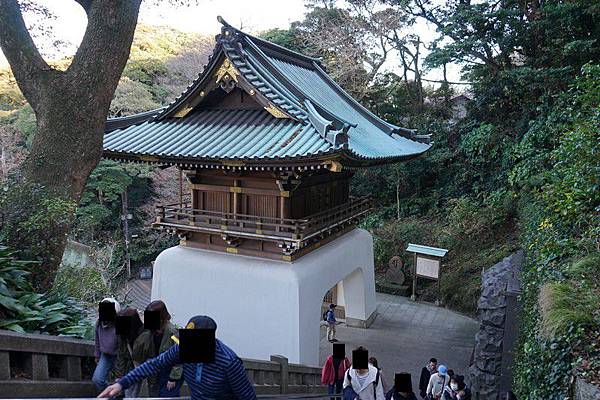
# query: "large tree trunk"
x,y
71,108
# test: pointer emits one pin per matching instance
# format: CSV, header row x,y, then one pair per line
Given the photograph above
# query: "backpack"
x,y
325,315
350,394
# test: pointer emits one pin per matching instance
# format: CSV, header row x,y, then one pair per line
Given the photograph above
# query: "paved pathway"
x,y
406,334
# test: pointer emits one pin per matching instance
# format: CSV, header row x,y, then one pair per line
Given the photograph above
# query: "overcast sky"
x,y
252,15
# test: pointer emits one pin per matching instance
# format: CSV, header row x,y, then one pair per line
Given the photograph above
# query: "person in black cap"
x,y
402,389
211,369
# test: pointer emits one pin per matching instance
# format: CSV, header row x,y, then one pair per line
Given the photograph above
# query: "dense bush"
x,y
561,223
24,310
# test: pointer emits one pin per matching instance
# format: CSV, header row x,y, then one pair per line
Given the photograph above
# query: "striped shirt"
x,y
224,379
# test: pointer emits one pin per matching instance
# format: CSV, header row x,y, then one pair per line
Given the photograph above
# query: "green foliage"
x,y
23,310
572,191
561,225
99,209
148,246
586,271
153,48
22,119
30,216
161,58
477,234
131,97
563,305
547,376
81,282
10,95
288,38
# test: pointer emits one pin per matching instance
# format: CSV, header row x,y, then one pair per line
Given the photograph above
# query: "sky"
x,y
251,15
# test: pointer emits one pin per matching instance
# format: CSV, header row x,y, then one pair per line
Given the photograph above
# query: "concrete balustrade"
x,y
50,366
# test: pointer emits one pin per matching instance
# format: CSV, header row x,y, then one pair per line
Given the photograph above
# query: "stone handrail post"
x,y
283,370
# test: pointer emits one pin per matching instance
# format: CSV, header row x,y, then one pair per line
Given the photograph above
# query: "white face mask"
x,y
454,386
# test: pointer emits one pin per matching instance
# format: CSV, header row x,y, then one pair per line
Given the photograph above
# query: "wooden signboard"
x,y
427,263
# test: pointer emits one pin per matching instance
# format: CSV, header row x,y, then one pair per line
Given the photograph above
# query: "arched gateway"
x,y
268,144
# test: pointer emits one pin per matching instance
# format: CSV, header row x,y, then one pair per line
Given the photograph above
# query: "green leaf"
x,y
15,328
11,304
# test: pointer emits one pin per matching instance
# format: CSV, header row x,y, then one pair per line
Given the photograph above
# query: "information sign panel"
x,y
428,268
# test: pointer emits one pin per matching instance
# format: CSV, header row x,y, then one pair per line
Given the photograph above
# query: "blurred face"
x,y
432,366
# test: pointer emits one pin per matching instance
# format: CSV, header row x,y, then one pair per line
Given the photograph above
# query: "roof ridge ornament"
x,y
228,33
325,126
230,38
223,22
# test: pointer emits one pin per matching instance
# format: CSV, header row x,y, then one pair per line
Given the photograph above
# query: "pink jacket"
x,y
328,375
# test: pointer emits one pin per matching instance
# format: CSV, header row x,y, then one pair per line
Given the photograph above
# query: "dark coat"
x,y
124,362
143,350
424,381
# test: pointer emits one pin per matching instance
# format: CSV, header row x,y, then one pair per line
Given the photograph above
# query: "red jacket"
x,y
328,375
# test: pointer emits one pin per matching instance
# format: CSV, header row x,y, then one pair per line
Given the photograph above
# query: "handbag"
x,y
348,392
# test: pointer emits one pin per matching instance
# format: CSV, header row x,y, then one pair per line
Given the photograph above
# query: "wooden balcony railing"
x,y
186,218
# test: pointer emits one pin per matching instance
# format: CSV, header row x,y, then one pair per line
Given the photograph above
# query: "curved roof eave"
x,y
353,159
358,161
112,124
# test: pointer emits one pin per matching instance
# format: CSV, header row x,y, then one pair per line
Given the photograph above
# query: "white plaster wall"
x,y
340,294
264,307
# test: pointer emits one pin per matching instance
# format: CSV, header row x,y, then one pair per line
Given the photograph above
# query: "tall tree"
x,y
70,108
350,37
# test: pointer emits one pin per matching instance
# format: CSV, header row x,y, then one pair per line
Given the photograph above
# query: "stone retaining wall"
x,y
51,366
498,313
586,391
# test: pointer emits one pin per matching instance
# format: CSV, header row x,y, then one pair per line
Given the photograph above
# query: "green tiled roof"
x,y
221,134
322,121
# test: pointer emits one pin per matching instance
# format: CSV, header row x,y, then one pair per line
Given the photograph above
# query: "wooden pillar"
x,y
414,291
438,301
236,198
180,188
